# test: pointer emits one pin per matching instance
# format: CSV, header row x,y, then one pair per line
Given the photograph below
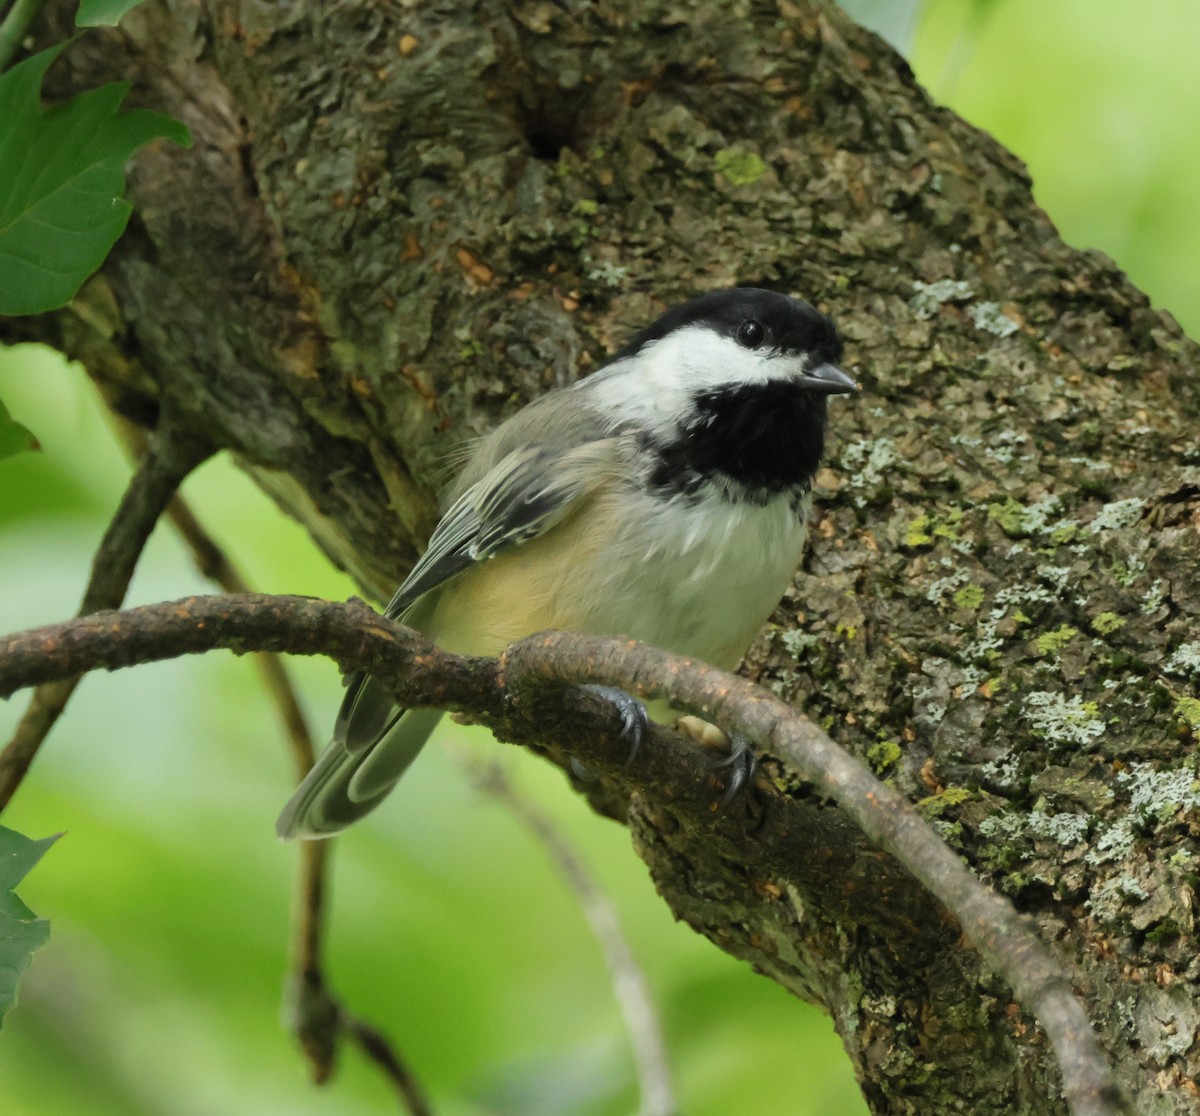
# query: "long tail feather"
x,y
352,777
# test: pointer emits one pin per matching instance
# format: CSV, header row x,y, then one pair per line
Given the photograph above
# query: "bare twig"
x,y
213,563
630,988
166,462
320,1021
522,693
318,1018
380,1051
315,1015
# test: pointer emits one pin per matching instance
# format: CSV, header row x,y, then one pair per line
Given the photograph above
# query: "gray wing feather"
x,y
521,496
506,496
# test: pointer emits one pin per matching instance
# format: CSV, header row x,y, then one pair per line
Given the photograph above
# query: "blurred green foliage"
x,y
158,993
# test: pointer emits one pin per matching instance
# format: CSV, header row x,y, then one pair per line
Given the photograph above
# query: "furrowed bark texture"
x,y
400,222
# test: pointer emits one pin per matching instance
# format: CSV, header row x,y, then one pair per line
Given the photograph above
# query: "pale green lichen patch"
x,y
1051,643
1184,660
1107,623
1064,829
1160,795
1112,896
1188,710
1153,598
944,588
1118,514
740,167
605,271
1156,797
798,642
868,465
1114,842
1042,517
969,597
989,317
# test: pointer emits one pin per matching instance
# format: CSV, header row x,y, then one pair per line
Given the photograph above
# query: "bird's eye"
x,y
751,334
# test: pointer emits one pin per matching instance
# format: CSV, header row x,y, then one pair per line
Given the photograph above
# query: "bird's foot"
x,y
632,712
741,760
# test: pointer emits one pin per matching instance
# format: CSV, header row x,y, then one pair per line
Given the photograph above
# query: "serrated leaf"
x,y
62,177
21,931
102,13
14,438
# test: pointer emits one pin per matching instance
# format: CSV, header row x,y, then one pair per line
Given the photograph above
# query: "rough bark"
x,y
401,221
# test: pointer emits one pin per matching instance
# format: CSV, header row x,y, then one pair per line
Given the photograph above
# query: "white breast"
x,y
697,578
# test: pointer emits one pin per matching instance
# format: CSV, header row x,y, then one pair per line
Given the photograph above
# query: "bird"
x,y
663,498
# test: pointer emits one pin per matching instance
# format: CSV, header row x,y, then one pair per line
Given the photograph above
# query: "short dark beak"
x,y
828,379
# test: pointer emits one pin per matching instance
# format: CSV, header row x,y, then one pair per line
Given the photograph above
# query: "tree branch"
x,y
1004,939
522,698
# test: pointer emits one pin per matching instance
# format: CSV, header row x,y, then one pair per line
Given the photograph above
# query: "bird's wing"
x,y
523,495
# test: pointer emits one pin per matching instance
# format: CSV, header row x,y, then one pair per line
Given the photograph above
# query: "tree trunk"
x,y
399,222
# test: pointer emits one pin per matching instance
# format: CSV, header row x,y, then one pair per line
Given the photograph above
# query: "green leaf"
x,y
21,931
103,13
14,438
62,177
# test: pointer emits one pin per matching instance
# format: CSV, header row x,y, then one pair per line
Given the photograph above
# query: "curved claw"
x,y
743,763
632,712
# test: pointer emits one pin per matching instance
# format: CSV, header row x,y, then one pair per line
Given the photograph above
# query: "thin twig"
x,y
522,692
630,988
377,1048
166,462
15,26
318,1018
214,564
316,1015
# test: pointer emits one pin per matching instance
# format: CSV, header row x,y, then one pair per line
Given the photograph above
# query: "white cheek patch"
x,y
657,385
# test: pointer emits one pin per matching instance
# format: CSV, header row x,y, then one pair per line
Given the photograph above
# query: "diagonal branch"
x,y
1003,938
522,698
167,461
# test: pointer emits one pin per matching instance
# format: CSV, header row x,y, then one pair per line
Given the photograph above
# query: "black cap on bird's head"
x,y
767,321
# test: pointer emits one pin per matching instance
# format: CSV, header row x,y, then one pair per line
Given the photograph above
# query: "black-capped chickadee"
x,y
664,499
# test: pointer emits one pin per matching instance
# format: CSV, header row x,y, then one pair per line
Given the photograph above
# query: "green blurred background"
x,y
169,895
